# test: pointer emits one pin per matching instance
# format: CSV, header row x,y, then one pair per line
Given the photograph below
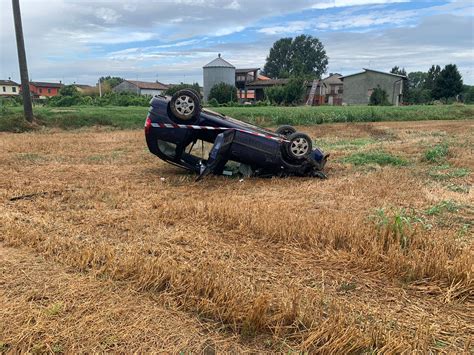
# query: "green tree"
x,y
468,94
289,94
416,79
379,97
432,76
172,89
69,90
302,56
223,93
448,84
111,80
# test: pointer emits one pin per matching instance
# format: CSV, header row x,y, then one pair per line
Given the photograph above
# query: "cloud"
x,y
346,3
79,40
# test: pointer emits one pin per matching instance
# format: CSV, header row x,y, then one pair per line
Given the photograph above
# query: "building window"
x,y
40,90
4,89
49,91
14,89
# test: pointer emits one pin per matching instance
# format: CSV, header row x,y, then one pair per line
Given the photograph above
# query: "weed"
x,y
54,309
380,158
4,347
57,348
458,188
32,157
443,206
346,286
437,154
445,172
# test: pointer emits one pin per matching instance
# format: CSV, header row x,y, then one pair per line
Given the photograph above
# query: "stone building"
x,y
358,87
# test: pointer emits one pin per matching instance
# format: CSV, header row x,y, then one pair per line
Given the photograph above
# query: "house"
x,y
358,87
9,88
259,86
334,90
41,89
141,87
242,78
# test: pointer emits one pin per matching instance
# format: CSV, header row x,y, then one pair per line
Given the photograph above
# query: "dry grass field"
x,y
103,247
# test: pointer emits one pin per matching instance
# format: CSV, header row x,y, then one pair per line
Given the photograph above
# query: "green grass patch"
x,y
458,188
344,144
446,172
443,206
379,158
437,154
309,115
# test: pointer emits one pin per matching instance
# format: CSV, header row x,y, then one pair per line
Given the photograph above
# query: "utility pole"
x,y
20,44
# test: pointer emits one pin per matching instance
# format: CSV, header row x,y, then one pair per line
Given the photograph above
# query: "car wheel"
x,y
299,146
185,105
285,130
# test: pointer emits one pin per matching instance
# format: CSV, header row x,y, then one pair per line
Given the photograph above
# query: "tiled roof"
x,y
270,82
148,85
45,84
8,82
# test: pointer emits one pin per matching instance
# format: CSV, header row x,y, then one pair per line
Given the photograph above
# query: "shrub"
x,y
213,102
223,93
69,90
437,154
291,93
379,97
275,94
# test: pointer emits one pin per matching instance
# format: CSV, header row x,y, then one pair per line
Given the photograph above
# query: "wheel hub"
x,y
299,147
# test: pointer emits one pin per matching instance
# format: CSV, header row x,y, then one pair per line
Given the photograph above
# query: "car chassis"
x,y
174,125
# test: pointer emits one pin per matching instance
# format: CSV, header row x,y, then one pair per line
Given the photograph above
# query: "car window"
x,y
168,149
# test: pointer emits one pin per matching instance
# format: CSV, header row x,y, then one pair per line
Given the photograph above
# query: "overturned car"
x,y
174,125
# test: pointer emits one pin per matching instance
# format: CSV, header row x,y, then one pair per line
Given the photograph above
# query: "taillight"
x,y
147,125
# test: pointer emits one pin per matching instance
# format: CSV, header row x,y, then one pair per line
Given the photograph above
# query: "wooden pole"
x,y
20,44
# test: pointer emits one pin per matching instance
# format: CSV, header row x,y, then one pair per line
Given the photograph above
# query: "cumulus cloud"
x,y
79,40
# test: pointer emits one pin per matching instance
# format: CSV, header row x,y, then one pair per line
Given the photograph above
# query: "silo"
x,y
216,72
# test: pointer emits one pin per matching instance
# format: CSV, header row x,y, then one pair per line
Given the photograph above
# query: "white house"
x,y
140,87
9,88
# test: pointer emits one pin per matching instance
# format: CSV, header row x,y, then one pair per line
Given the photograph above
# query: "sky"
x,y
171,40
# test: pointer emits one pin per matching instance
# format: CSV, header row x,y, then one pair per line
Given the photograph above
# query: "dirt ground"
x,y
103,247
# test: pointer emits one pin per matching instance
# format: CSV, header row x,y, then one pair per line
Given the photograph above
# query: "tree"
x,y
432,76
223,93
172,89
111,80
398,71
468,94
69,90
278,62
289,94
302,56
448,84
379,97
416,79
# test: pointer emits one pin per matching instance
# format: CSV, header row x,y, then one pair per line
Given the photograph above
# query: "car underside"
x,y
176,125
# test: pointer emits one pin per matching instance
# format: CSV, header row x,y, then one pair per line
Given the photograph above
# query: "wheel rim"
x,y
184,105
299,147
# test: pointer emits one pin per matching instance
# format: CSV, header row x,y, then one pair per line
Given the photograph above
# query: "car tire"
x,y
299,146
285,130
185,105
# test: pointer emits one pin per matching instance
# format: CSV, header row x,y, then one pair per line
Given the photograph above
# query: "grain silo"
x,y
216,72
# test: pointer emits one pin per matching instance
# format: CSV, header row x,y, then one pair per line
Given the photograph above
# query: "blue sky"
x,y
170,41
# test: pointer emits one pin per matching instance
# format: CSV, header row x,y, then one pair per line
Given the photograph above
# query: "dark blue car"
x,y
175,124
